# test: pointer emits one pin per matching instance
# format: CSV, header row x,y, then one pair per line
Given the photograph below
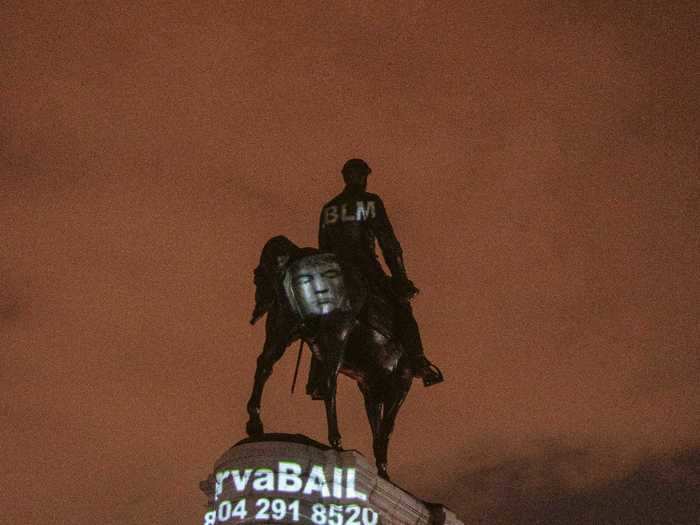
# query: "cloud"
x,y
557,485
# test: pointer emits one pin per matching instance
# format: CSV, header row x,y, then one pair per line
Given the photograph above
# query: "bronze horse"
x,y
352,336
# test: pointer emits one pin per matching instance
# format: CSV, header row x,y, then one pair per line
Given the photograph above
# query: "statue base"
x,y
292,479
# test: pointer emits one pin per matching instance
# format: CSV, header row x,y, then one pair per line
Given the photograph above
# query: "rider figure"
x,y
349,225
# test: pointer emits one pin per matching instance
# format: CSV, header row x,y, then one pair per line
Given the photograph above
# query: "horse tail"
x,y
274,255
264,293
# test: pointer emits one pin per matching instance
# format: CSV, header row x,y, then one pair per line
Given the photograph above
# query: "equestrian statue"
x,y
355,319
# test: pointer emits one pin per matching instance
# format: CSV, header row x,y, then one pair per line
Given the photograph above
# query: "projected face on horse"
x,y
315,286
315,298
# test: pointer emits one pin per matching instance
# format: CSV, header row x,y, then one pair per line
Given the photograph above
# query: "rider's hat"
x,y
356,165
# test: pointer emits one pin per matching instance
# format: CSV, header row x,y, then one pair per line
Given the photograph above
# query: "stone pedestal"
x,y
291,479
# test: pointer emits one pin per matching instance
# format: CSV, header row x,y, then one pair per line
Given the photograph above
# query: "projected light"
x,y
289,494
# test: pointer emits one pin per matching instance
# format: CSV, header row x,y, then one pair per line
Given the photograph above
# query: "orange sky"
x,y
539,165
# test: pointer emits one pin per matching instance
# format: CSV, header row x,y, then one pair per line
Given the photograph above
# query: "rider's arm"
x,y
393,255
391,248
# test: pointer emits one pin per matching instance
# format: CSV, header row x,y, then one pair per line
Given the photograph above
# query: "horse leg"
x,y
373,407
395,396
273,349
332,339
334,437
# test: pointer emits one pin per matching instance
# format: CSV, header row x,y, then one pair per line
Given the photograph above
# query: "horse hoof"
x,y
382,472
254,427
336,444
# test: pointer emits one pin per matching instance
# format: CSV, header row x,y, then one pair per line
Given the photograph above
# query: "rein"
x,y
296,370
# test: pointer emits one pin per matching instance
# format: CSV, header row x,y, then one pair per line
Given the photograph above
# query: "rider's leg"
x,y
409,336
